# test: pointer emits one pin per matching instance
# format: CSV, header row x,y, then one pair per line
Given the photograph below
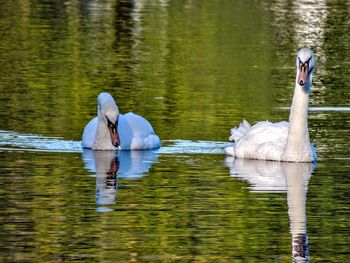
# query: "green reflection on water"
x,y
194,69
187,209
184,72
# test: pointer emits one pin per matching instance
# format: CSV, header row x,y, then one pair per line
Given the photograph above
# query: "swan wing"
x,y
89,133
238,132
265,140
137,133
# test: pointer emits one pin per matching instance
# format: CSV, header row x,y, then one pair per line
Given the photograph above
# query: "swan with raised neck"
x,y
281,141
298,147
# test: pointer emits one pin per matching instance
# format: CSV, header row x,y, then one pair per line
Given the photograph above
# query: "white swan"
x,y
282,141
111,130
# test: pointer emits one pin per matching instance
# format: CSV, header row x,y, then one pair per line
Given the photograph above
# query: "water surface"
x,y
194,69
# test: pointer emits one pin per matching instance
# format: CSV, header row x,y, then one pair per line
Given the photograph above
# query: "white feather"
x,y
237,133
135,132
280,141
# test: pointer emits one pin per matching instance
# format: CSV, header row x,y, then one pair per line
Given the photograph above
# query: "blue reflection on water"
x,y
126,164
194,147
10,140
330,108
109,166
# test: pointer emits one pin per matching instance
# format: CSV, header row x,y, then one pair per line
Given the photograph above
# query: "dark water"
x,y
194,69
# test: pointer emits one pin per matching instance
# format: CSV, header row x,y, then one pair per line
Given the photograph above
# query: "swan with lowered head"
x,y
282,141
111,130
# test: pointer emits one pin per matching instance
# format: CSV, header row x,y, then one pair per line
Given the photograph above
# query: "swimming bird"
x,y
111,130
282,141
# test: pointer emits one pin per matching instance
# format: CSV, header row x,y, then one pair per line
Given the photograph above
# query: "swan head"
x,y
108,112
305,64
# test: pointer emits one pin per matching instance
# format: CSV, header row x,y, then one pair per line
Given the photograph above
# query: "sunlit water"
x,y
194,69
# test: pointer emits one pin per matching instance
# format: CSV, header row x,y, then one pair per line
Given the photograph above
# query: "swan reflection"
x,y
272,177
109,166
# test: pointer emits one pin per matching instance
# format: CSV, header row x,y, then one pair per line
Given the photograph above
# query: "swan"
x,y
111,130
282,141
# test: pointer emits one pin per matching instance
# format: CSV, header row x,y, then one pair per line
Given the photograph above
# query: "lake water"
x,y
194,69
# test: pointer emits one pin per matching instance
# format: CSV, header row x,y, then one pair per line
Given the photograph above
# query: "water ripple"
x,y
14,141
326,108
194,147
10,140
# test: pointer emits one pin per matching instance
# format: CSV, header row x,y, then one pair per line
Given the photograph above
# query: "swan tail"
x,y
230,150
238,132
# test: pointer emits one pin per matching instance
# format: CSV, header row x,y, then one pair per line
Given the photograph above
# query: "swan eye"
x,y
111,124
306,63
301,64
305,66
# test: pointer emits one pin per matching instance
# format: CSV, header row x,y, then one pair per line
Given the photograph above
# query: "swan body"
x,y
282,141
111,130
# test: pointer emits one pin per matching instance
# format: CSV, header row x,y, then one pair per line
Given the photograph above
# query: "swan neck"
x,y
102,138
298,117
298,142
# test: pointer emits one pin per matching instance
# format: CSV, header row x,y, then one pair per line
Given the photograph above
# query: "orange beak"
x,y
303,73
113,131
